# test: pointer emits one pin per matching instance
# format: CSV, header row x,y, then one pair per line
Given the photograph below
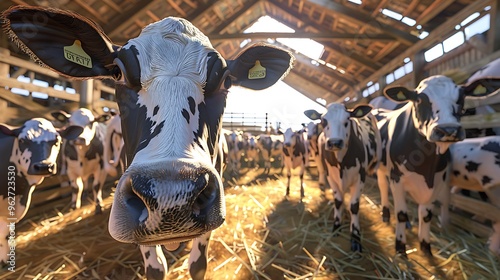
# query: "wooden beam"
x,y
125,19
435,36
342,52
13,83
22,101
306,87
433,10
249,5
320,36
365,18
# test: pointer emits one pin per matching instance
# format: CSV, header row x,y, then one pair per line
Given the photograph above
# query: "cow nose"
x,y
334,144
169,202
42,168
447,133
288,145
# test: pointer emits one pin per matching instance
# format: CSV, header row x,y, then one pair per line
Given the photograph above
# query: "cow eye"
x,y
227,83
345,124
324,122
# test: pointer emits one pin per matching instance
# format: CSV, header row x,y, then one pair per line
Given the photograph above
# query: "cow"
x,y
350,150
294,155
314,129
83,156
114,156
415,141
171,89
29,154
235,148
251,150
270,147
475,166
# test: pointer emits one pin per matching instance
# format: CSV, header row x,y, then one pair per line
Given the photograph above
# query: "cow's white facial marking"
x,y
439,103
338,123
84,118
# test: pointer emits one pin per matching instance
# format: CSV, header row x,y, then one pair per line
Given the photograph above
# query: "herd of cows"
x,y
170,150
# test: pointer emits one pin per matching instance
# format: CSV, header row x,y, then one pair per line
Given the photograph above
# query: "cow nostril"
x,y
206,197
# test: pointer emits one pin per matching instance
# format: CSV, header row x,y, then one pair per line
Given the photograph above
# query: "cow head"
x,y
437,104
337,123
171,92
83,118
113,145
36,146
290,138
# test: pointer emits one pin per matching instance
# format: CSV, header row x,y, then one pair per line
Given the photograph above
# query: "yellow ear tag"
x,y
400,96
480,89
76,54
257,71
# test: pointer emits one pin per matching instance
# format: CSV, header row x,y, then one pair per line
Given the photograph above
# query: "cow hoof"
x,y
336,230
356,246
98,210
426,248
400,248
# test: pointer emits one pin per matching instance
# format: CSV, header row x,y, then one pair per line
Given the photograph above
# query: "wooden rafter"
x,y
320,36
364,18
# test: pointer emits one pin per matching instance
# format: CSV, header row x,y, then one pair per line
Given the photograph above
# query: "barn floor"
x,y
264,237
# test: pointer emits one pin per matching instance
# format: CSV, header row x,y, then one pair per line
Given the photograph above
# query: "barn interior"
x,y
366,46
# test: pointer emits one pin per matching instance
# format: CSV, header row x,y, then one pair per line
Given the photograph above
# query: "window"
x,y
389,78
453,41
478,27
433,53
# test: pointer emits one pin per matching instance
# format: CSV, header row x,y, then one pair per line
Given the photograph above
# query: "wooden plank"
x,y
28,65
31,106
475,206
13,83
470,225
481,121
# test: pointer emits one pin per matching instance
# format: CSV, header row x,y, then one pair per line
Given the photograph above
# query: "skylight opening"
x,y
423,35
358,2
392,14
470,18
408,21
307,47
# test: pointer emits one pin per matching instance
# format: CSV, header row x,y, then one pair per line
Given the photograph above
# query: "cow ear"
x,y
260,66
312,114
360,111
481,87
61,116
400,94
66,42
9,131
103,118
71,132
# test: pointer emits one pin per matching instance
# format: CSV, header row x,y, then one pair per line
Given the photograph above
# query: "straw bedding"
x,y
264,237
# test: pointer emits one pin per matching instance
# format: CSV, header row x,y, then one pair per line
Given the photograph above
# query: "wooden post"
x,y
4,72
494,32
86,94
418,73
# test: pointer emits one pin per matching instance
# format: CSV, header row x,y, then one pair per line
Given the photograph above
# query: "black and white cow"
x,y
314,129
294,155
83,156
114,155
350,150
416,157
251,151
271,148
234,141
475,165
28,155
171,92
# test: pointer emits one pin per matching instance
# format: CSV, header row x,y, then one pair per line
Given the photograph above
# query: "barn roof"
x,y
360,40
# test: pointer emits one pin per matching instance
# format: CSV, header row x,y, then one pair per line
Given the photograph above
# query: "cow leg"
x,y
155,264
401,211
198,257
288,176
424,227
302,194
76,195
354,209
97,186
383,186
321,175
494,240
338,204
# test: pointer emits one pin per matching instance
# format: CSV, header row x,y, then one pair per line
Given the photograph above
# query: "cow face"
x,y
337,124
36,146
290,138
83,118
171,92
437,104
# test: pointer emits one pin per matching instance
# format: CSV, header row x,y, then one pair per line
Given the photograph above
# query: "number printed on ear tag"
x,y
76,54
257,71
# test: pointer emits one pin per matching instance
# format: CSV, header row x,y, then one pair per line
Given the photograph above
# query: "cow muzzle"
x,y
334,144
168,203
447,133
42,168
